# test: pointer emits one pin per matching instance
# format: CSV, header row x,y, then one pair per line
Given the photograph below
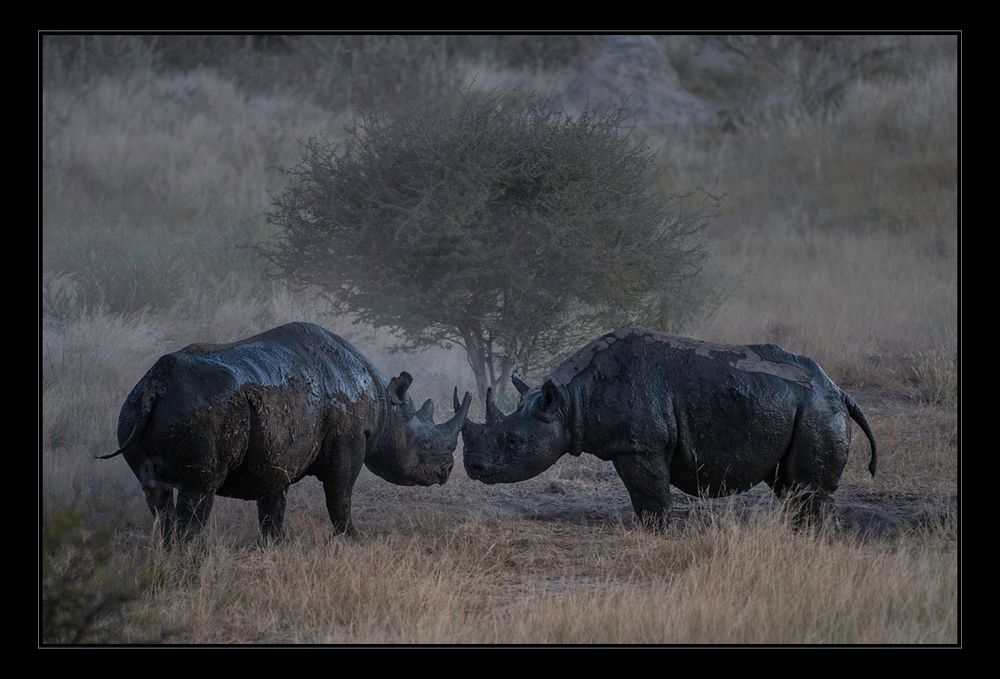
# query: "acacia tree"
x,y
489,222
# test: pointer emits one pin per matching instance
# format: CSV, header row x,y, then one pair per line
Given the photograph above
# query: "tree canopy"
x,y
492,222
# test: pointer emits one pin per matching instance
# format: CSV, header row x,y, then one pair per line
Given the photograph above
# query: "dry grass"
x,y
761,584
720,580
839,235
207,148
936,374
859,305
916,452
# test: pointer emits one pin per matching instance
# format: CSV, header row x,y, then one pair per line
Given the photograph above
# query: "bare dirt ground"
x,y
585,491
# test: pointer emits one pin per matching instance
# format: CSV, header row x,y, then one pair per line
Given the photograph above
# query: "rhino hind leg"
x,y
160,500
271,515
807,505
647,479
810,471
193,510
159,494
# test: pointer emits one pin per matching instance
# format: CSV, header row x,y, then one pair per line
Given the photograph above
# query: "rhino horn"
x,y
426,412
455,423
519,382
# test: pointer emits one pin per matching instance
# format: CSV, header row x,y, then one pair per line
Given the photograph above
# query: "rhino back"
x,y
326,365
608,356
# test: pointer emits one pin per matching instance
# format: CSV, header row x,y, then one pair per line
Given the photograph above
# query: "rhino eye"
x,y
514,439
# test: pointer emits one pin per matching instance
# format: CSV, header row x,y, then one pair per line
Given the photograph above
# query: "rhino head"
x,y
413,451
523,444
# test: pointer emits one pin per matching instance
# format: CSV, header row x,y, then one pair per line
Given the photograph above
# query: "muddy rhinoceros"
x,y
248,419
706,418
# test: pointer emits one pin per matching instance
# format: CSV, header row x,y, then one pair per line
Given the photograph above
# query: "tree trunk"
x,y
480,359
493,359
503,380
474,351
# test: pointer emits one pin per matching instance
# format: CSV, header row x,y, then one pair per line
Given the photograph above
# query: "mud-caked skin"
x,y
706,418
248,419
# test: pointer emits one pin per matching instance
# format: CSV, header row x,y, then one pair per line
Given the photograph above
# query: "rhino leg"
x,y
193,509
341,470
160,499
810,471
807,505
159,494
271,515
647,479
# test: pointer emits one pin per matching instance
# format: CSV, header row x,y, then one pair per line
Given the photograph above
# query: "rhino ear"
x,y
398,387
549,399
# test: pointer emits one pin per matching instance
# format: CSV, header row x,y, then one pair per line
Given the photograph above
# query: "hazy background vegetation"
x,y
837,238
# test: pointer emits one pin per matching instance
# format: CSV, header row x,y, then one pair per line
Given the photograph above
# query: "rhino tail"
x,y
859,417
146,402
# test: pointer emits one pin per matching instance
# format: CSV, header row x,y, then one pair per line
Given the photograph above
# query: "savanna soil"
x,y
578,493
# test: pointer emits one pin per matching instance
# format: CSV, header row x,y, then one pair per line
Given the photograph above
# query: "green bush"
x,y
84,598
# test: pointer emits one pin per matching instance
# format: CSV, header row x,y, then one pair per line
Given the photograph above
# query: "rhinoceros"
x,y
250,418
708,419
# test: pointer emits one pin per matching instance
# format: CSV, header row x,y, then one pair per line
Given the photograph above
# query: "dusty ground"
x,y
577,493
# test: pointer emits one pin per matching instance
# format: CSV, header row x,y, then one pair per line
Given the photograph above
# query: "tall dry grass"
x,y
170,148
861,306
838,236
720,580
760,585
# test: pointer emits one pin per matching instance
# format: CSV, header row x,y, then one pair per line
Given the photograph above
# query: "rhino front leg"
x,y
338,505
271,515
342,469
647,479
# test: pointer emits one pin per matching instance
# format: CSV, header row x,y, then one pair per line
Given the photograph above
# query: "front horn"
x,y
455,423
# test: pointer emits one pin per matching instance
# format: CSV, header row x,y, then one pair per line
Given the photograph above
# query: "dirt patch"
x,y
604,502
586,491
